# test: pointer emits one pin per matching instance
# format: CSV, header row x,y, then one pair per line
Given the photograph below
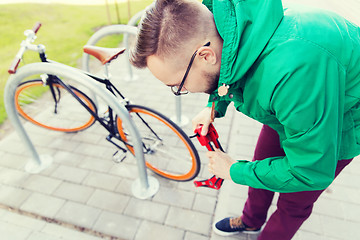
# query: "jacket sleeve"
x,y
308,103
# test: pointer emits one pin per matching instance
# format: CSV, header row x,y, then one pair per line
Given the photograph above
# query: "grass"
x,y
65,30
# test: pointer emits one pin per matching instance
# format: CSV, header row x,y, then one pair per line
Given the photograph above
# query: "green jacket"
x,y
296,70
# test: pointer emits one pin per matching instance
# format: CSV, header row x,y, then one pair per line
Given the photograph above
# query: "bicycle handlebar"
x,y
30,37
36,27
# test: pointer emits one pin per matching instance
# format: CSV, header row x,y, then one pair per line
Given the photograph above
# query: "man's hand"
x,y
204,118
220,163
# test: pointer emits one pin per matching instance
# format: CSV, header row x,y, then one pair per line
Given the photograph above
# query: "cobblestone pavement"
x,y
85,195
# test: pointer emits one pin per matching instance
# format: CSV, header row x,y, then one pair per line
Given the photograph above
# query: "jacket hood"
x,y
245,26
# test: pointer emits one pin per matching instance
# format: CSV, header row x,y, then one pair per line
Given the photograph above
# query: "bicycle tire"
x,y
169,153
67,116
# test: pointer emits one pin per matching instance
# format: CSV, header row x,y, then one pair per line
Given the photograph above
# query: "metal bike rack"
x,y
109,30
143,187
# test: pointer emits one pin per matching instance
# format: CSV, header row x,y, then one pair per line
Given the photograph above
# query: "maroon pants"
x,y
292,208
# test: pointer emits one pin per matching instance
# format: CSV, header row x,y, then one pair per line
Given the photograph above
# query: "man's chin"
x,y
211,90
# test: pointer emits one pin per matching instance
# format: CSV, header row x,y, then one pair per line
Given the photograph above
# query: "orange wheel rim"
x,y
186,176
28,118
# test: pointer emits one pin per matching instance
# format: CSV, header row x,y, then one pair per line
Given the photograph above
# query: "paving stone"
x,y
313,224
2,212
175,197
124,187
189,220
41,184
163,182
329,207
240,236
349,230
96,164
117,225
13,177
125,170
63,144
304,235
145,209
239,191
43,236
192,236
66,233
154,231
12,160
13,232
94,151
13,196
74,192
43,205
102,180
89,136
15,146
204,203
70,174
43,137
351,211
64,157
22,221
110,201
344,193
78,214
50,169
44,150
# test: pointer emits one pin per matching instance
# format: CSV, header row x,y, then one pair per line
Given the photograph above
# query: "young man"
x,y
297,71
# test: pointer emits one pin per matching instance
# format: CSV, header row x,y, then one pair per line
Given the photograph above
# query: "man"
x,y
297,71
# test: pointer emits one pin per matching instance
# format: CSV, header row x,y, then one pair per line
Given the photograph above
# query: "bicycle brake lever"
x,y
207,141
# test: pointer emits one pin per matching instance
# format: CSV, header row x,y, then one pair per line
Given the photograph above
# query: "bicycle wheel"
x,y
35,103
167,149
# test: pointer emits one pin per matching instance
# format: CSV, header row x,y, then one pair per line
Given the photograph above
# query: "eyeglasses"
x,y
177,89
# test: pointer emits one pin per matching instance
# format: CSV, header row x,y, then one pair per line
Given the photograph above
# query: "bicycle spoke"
x,y
168,151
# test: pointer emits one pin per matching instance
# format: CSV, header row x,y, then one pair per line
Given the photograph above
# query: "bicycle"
x,y
51,103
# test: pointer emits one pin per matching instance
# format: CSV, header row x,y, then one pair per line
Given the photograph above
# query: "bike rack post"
x,y
142,188
37,163
179,119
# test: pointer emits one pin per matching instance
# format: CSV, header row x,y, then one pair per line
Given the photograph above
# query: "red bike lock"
x,y
211,142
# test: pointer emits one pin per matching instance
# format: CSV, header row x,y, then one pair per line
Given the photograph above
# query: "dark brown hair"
x,y
165,28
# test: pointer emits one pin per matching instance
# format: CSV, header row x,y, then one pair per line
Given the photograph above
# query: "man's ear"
x,y
207,54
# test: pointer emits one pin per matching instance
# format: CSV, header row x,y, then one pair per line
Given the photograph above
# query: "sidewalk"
x,y
84,195
84,190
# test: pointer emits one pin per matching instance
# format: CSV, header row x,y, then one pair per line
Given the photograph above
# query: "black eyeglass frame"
x,y
177,89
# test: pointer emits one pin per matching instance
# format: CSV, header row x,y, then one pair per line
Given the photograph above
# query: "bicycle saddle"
x,y
105,55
